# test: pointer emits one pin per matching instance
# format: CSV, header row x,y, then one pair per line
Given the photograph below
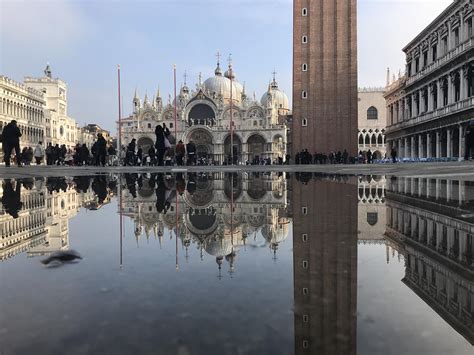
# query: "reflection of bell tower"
x,y
325,266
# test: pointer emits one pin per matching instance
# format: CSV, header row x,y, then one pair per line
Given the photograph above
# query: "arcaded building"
x,y
325,76
429,108
372,120
204,116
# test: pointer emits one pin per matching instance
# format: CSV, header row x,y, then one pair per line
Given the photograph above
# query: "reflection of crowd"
x,y
305,157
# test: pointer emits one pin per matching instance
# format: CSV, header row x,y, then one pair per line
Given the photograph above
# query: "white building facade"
x,y
372,121
430,107
25,105
204,115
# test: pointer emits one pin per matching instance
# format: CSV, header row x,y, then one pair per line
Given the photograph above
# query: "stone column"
x,y
405,148
430,97
438,145
462,84
451,88
448,143
412,147
461,143
428,145
461,191
420,147
399,148
439,87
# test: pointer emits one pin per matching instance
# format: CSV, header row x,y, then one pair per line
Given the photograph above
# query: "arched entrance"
x,y
145,143
256,148
236,149
203,140
201,114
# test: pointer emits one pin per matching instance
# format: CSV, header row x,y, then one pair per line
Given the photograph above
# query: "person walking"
x,y
130,154
180,152
84,155
469,142
191,152
152,156
11,141
49,154
39,153
393,154
160,144
101,150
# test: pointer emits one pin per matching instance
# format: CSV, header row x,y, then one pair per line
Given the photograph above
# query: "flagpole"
x,y
119,138
231,115
175,103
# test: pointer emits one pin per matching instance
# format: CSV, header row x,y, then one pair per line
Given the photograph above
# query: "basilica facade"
x,y
204,115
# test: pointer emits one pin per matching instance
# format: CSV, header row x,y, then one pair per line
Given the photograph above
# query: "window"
x,y
417,65
171,124
434,53
304,11
304,237
469,27
305,344
149,125
372,113
304,210
304,39
305,318
305,291
304,94
409,68
305,264
444,41
304,67
425,58
304,122
456,37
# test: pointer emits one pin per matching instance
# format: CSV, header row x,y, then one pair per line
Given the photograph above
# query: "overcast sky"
x,y
85,40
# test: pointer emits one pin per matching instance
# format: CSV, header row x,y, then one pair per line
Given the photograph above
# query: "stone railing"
x,y
462,48
12,83
432,115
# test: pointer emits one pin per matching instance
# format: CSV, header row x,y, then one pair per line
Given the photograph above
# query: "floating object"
x,y
59,257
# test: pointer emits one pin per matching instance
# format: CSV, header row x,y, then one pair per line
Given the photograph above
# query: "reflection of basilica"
x,y
325,266
34,215
430,221
204,115
217,212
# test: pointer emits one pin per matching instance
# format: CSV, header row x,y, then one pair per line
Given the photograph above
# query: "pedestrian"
x,y
139,157
10,139
39,153
68,158
469,142
49,154
84,155
101,150
345,156
24,156
369,157
152,156
111,152
393,154
130,154
160,144
180,152
191,152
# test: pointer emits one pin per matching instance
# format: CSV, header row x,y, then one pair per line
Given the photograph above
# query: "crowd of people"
x,y
166,152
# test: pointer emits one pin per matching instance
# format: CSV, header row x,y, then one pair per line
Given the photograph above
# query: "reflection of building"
x,y
431,222
42,225
25,105
325,266
217,212
429,107
371,209
203,115
372,121
325,76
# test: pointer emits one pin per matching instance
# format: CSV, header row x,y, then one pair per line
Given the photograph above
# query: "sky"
x,y
84,40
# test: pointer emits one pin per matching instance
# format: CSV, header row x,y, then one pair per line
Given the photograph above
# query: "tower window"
x,y
304,39
305,291
372,113
305,264
304,11
305,344
304,94
304,122
304,237
304,67
304,210
305,318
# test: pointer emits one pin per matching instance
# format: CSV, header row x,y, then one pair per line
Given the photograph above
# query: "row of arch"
x,y
18,110
374,139
21,225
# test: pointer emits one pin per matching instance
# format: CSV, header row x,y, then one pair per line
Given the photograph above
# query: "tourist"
x,y
49,154
393,154
130,154
345,156
160,144
469,142
11,141
101,150
191,152
180,152
169,156
39,153
23,156
369,157
11,199
139,157
111,152
84,155
68,158
151,156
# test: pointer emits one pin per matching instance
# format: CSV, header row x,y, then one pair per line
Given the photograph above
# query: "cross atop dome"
x,y
218,70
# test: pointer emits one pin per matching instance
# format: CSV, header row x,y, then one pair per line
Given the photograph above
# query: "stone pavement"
x,y
454,170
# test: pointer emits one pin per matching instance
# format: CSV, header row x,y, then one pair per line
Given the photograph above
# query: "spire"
x,y
388,76
135,97
274,84
218,70
200,79
145,101
158,95
185,77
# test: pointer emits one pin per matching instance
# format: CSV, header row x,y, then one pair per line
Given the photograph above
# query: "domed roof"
x,y
278,97
218,247
275,234
220,85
